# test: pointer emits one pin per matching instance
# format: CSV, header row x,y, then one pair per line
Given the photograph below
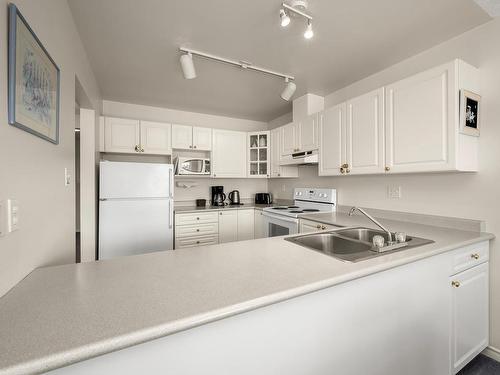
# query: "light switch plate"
x,y
67,177
13,217
394,192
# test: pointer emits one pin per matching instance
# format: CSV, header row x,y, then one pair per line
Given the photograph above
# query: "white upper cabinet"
x,y
121,135
308,133
277,170
259,147
422,121
229,153
186,137
202,138
332,131
365,133
289,139
155,138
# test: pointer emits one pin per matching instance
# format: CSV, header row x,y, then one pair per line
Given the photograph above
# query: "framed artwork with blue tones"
x,y
33,81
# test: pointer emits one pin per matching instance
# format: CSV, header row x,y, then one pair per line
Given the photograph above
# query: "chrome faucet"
x,y
389,234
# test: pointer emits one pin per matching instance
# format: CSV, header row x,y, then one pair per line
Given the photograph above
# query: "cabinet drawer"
x,y
196,218
182,243
307,226
184,231
469,256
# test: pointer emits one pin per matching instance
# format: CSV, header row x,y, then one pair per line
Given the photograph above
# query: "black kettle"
x,y
234,197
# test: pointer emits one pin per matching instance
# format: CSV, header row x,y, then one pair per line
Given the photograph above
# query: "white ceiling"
x,y
133,47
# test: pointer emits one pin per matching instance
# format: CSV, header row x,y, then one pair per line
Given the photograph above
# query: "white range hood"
x,y
301,158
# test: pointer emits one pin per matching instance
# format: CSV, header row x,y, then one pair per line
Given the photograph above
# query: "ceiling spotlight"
x,y
289,90
309,33
187,66
285,20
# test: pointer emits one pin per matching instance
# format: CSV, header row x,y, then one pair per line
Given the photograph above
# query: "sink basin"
x,y
350,244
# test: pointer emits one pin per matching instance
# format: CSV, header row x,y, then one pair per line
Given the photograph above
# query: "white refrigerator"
x,y
136,209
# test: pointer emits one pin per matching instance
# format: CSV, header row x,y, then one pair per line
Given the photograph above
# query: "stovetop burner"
x,y
310,210
291,207
296,211
280,208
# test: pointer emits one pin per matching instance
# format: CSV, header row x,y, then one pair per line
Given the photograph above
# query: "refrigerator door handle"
x,y
171,212
171,176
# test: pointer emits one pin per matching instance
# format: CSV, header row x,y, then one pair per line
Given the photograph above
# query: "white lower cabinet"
x,y
258,224
196,229
308,226
470,305
228,226
246,224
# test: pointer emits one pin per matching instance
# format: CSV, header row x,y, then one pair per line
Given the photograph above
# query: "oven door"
x,y
278,225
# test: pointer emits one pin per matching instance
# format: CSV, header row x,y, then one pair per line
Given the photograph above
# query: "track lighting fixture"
x,y
187,66
309,33
289,90
189,71
297,8
285,20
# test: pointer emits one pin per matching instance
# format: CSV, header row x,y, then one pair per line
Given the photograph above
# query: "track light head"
x,y
187,66
309,33
285,19
289,90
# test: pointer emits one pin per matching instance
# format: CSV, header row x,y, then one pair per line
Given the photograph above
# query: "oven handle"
x,y
279,217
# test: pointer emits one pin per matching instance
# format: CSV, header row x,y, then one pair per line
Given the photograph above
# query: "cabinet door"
x,y
258,224
469,314
229,154
332,140
419,120
202,138
289,139
365,133
308,133
121,135
182,136
156,138
246,222
259,154
228,226
275,152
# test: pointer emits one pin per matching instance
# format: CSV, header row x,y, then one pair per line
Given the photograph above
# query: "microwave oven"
x,y
190,166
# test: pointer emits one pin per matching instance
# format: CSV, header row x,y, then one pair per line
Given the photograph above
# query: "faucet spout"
x,y
375,221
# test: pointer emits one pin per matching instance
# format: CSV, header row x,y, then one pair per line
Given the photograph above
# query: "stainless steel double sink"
x,y
351,244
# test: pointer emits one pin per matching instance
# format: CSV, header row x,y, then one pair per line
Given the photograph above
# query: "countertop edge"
x,y
72,356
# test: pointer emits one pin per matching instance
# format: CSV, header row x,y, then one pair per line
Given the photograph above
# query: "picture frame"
x,y
34,81
470,113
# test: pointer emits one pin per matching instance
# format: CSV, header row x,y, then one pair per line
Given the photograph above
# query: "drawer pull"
x,y
197,218
197,242
474,256
318,226
323,227
456,284
197,230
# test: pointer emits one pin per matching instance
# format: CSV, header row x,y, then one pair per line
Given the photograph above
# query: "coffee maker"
x,y
218,196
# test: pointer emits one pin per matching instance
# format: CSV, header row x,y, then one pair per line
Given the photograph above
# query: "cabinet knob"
x,y
190,146
318,226
220,213
387,169
279,174
137,148
197,242
194,146
142,150
456,284
323,227
474,256
197,230
197,218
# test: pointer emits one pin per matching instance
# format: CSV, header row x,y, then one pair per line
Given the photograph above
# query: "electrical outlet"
x,y
12,215
394,192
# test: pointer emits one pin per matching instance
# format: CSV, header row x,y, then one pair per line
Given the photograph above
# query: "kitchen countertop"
x,y
61,315
187,209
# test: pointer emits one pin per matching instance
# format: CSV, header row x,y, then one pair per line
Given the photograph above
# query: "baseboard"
x,y
492,352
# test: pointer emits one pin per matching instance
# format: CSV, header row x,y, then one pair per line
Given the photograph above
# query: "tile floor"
x,y
481,365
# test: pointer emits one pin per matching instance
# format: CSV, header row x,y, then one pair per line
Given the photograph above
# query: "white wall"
x,y
247,187
31,169
473,195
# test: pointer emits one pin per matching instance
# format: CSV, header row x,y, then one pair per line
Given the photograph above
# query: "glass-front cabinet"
x,y
259,154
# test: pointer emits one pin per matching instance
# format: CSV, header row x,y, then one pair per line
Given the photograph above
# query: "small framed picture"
x,y
469,113
33,81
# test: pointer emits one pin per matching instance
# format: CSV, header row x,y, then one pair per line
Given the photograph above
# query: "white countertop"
x,y
64,314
